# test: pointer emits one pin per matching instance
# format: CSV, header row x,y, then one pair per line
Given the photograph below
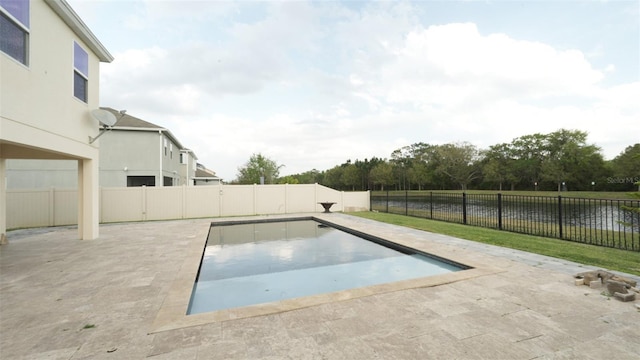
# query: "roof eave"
x,y
167,132
66,13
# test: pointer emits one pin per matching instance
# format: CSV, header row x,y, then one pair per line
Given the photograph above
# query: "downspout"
x,y
188,172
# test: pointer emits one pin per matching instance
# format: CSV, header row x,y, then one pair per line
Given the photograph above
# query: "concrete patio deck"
x,y
120,297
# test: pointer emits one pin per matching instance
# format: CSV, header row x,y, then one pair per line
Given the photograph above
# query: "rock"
x,y
616,287
603,276
625,297
588,277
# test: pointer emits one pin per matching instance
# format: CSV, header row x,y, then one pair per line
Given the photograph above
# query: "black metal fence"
x,y
601,222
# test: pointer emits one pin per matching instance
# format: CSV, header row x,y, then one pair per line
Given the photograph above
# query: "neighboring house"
x,y
133,152
205,176
49,62
136,152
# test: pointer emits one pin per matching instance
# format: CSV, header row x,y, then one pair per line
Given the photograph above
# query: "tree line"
x,y
561,160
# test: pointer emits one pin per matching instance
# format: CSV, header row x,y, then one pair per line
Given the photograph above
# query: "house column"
x,y
3,202
88,199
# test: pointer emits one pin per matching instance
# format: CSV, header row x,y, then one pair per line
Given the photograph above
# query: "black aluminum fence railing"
x,y
599,222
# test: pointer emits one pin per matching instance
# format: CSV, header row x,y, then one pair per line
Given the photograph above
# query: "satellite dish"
x,y
105,117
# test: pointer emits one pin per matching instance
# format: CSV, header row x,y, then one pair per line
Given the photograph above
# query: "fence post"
x,y
406,202
52,206
499,211
387,211
431,205
464,208
560,216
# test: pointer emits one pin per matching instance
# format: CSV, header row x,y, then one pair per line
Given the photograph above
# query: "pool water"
x,y
248,264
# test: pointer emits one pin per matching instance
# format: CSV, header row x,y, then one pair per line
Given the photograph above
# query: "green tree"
x,y
566,152
333,177
626,168
382,174
289,179
499,165
257,166
528,154
309,177
401,161
459,162
351,176
419,173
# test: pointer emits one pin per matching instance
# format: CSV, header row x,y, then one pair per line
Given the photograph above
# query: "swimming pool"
x,y
262,262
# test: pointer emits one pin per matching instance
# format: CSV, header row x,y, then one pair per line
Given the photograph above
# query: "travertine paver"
x,y
62,298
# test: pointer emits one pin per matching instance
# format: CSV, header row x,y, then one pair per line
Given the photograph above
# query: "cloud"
x,y
311,85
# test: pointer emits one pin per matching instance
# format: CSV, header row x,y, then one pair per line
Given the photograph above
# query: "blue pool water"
x,y
248,264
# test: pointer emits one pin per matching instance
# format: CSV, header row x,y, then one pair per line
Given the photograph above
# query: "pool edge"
x,y
172,312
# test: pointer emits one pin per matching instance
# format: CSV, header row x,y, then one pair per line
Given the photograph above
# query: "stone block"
x,y
625,297
595,284
616,287
579,282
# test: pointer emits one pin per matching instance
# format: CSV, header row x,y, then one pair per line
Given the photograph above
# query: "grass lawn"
x,y
607,258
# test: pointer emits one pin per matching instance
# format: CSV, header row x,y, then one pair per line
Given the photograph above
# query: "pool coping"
x,y
172,313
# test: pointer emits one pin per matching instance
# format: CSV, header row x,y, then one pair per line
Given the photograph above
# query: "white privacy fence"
x,y
54,207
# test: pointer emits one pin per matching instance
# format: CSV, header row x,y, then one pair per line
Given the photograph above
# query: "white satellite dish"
x,y
105,117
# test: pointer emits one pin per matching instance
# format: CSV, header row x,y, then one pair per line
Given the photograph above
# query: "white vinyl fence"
x,y
54,207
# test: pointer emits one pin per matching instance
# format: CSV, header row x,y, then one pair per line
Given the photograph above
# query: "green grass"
x,y
607,258
622,195
586,235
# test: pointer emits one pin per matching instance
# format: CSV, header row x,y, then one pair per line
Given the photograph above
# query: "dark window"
x,y
80,73
141,181
13,41
168,181
79,86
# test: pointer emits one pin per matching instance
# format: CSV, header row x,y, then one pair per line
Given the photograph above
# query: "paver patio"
x,y
62,298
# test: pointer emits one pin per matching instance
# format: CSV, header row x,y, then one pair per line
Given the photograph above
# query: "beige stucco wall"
x,y
41,174
39,116
139,152
37,100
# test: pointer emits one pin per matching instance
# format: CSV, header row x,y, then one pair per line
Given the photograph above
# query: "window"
x,y
14,27
80,72
171,150
141,181
168,181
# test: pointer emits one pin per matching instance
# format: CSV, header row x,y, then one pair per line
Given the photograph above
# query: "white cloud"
x,y
314,84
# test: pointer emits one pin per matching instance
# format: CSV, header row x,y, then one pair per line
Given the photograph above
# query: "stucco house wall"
x,y
42,174
124,151
128,153
40,118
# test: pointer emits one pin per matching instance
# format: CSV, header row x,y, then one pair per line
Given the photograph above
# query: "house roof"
x,y
132,123
205,173
66,13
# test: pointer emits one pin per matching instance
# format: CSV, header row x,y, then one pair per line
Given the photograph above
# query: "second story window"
x,y
14,27
80,72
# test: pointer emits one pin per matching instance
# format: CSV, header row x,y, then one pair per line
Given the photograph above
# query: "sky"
x,y
311,84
